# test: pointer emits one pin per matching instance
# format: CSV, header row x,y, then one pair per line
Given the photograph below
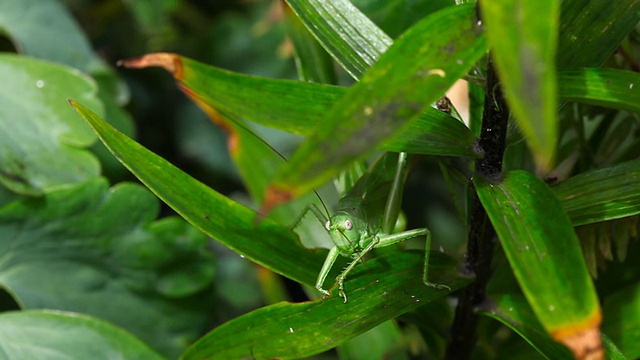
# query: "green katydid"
x,y
366,217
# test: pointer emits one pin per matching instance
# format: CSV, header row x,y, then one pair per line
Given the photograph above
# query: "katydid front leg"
x,y
326,267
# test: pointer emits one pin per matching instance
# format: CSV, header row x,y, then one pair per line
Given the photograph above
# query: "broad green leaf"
x,y
524,48
622,320
95,250
236,226
602,194
353,40
514,312
300,107
603,87
590,30
413,73
45,334
545,256
380,289
42,142
45,29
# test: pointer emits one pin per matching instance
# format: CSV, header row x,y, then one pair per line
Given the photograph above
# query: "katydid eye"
x,y
348,225
327,225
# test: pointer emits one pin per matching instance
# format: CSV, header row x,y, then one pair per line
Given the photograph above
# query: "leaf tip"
x,y
170,62
583,339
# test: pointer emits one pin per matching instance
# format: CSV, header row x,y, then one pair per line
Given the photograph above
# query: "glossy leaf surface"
x,y
43,144
380,289
413,73
63,335
545,256
523,49
602,194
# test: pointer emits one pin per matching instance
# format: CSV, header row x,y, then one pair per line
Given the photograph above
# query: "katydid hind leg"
x,y
399,237
425,274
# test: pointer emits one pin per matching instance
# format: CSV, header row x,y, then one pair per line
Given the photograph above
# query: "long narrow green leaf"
x,y
301,107
546,258
380,289
313,63
602,194
622,319
590,30
523,38
353,40
514,312
414,72
603,87
234,225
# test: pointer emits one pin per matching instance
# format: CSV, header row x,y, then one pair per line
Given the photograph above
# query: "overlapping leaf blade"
x,y
301,107
353,40
267,243
602,194
622,319
514,312
414,72
523,49
380,289
603,87
544,253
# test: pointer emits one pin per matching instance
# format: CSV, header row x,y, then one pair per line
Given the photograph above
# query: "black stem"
x,y
481,234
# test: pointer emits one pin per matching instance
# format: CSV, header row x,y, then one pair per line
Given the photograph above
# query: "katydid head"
x,y
344,231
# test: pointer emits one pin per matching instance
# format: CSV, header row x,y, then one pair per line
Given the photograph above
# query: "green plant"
x,y
551,147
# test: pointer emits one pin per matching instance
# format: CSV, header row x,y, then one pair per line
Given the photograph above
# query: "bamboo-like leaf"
x,y
314,64
546,258
353,40
380,289
590,30
414,72
523,48
300,107
602,194
514,312
622,319
267,243
603,87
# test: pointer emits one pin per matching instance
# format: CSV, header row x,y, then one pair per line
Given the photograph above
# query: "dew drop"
x,y
291,330
40,84
368,111
242,256
630,86
552,308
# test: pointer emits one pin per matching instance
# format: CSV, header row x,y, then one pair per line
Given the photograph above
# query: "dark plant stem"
x,y
481,233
